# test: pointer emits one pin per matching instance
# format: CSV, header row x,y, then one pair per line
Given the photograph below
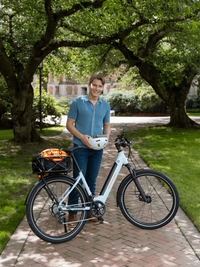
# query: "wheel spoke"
x,y
162,200
44,217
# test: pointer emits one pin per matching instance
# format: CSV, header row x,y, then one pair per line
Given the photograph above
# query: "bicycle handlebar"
x,y
123,141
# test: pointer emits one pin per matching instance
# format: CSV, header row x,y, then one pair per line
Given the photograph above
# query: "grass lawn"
x,y
174,152
54,130
6,134
16,179
194,114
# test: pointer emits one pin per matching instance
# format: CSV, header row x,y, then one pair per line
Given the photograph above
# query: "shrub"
x,y
139,99
193,102
63,104
49,106
146,98
195,110
5,104
120,98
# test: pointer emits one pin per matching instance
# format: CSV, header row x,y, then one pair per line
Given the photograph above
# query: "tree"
x,y
29,31
158,38
142,34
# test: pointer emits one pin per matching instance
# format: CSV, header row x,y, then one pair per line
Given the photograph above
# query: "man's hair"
x,y
97,76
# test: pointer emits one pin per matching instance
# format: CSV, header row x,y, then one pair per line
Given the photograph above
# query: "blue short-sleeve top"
x,y
89,119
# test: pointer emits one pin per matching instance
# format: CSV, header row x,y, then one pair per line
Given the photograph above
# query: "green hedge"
x,y
138,99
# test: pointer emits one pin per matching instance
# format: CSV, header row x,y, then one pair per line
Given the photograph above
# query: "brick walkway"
x,y
115,243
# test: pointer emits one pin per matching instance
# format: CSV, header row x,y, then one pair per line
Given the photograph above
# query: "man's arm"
x,y
72,129
107,129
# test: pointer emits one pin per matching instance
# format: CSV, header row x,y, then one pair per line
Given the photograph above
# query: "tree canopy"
x,y
29,31
159,39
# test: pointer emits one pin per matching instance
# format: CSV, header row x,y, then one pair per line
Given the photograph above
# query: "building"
x,y
71,88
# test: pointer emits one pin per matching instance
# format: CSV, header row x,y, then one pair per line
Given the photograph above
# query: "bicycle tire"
x,y
163,199
41,211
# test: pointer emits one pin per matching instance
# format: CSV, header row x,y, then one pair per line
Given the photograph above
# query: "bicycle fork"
x,y
137,184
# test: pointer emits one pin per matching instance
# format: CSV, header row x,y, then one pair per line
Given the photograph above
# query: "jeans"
x,y
89,161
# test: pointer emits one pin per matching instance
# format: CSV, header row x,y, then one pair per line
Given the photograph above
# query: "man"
x,y
86,118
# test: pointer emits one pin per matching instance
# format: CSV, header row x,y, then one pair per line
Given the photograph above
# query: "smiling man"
x,y
88,116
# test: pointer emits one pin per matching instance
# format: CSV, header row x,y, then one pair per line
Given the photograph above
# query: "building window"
x,y
75,90
84,90
57,90
69,90
51,90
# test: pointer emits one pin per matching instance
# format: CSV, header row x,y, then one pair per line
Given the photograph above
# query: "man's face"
x,y
96,87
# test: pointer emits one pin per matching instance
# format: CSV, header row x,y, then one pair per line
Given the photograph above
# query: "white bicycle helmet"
x,y
98,142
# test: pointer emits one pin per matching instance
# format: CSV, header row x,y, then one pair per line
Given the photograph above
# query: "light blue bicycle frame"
x,y
107,187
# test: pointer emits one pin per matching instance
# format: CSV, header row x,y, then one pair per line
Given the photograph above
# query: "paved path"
x,y
115,243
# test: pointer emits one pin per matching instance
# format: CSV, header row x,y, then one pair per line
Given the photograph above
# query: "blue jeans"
x,y
89,161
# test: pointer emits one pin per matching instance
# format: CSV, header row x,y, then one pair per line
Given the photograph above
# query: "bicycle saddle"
x,y
71,150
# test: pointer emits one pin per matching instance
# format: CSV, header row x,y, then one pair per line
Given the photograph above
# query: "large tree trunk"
x,y
176,102
174,96
179,117
23,116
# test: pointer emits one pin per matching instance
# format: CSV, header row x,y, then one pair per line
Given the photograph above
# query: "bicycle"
x,y
147,198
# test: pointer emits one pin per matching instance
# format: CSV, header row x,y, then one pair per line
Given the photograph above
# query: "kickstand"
x,y
101,220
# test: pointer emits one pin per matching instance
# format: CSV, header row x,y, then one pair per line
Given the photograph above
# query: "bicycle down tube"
x,y
112,176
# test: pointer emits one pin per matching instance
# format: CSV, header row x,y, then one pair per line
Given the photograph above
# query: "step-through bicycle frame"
x,y
120,161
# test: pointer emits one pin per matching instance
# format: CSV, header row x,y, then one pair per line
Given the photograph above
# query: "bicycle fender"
x,y
29,193
46,178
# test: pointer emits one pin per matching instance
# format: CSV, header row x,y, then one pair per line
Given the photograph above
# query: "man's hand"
x,y
72,129
85,141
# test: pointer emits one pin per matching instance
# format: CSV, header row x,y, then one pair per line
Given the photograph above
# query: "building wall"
x,y
72,89
193,90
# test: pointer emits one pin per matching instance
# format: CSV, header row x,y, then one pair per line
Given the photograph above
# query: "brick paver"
x,y
115,243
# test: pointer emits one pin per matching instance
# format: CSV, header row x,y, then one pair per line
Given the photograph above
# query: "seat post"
x,y
76,163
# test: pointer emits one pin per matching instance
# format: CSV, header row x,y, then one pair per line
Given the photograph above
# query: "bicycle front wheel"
x,y
45,220
162,196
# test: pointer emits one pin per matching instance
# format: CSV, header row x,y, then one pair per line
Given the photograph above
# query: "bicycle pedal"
x,y
101,220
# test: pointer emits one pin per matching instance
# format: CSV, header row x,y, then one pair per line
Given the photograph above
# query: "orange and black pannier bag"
x,y
51,160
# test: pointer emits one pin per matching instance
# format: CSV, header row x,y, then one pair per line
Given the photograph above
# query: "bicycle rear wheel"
x,y
43,215
162,196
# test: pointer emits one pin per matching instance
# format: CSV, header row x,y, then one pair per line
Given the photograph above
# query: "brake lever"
x,y
128,141
119,137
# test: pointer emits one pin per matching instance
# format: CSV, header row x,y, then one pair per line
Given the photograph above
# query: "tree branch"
x,y
76,7
128,54
103,58
49,11
159,35
10,31
153,40
7,70
119,35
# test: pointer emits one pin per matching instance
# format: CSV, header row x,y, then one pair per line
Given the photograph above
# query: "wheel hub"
x,y
54,208
147,197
